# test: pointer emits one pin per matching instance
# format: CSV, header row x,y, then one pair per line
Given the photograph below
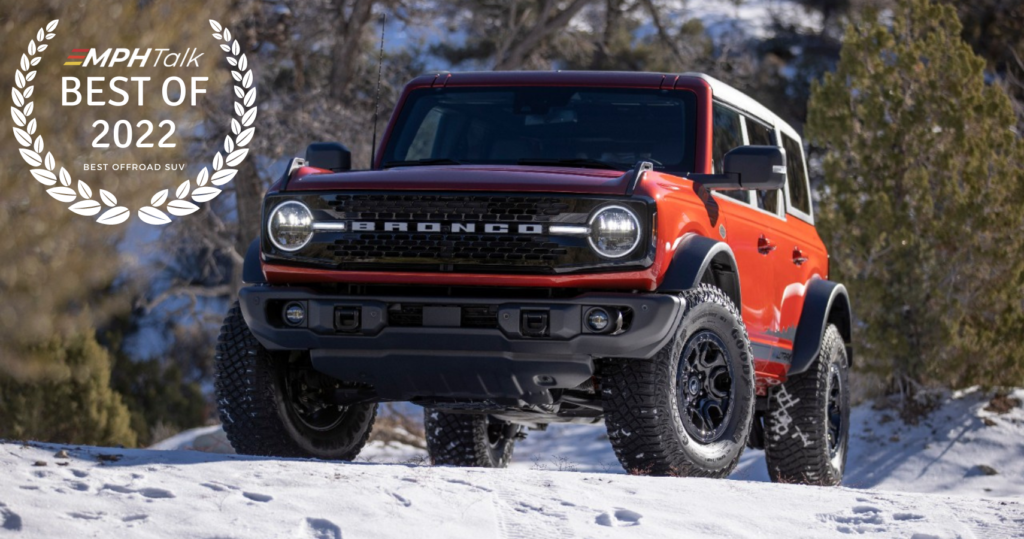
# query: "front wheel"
x,y
807,426
474,440
276,405
687,411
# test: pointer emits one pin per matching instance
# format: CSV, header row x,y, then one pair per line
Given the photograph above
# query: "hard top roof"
x,y
719,90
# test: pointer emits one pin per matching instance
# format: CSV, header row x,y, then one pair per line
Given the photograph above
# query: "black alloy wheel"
x,y
705,387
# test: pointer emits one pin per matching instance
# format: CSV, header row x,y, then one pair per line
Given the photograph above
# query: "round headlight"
x,y
614,231
290,226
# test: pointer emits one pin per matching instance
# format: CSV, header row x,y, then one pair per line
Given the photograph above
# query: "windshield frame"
x,y
407,104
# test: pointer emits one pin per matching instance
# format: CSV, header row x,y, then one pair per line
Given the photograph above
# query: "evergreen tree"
x,y
65,398
921,207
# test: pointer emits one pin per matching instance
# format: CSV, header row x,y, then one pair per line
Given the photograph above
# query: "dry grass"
x,y
393,426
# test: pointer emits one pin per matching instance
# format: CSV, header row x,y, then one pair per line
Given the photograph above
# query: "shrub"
x,y
921,201
61,393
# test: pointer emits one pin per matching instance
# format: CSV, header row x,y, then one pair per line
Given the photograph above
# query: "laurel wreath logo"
x,y
207,185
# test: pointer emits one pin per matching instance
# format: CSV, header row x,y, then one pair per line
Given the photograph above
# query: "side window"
x,y
799,197
726,135
759,134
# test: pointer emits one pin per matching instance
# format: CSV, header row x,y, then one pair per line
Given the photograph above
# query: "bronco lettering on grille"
x,y
469,228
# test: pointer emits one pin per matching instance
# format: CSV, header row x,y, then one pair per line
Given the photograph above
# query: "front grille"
x,y
417,207
453,232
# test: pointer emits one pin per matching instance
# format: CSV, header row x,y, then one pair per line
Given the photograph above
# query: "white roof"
x,y
745,103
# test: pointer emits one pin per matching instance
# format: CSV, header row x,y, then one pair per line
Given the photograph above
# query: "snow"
x,y
902,481
751,18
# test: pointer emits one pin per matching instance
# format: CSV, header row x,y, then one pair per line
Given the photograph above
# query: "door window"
x,y
726,135
759,134
799,193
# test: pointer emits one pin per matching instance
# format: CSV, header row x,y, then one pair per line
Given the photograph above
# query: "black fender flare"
x,y
252,268
825,302
694,256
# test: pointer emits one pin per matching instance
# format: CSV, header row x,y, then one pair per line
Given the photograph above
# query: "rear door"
x,y
771,348
798,250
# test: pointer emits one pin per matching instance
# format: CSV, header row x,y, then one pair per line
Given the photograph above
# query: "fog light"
x,y
598,320
294,314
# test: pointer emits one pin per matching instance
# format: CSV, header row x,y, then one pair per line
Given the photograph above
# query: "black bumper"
x,y
442,358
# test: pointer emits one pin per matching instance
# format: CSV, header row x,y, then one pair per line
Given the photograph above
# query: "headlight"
x,y
290,226
614,231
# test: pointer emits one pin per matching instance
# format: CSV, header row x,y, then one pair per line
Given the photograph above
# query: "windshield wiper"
x,y
577,162
422,162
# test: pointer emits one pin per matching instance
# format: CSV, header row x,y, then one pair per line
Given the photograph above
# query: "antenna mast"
x,y
376,101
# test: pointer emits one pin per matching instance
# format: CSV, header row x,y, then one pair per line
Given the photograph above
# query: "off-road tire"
x,y
250,402
797,448
644,423
462,439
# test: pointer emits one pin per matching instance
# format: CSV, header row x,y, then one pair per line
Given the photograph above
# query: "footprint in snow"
x,y
86,515
402,500
320,528
468,484
155,493
865,519
9,520
262,498
152,493
219,487
621,517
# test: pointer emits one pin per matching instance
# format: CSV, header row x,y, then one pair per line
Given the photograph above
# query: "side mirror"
x,y
329,155
761,168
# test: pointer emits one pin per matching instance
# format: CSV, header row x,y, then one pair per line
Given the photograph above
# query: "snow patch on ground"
x,y
190,494
751,18
902,481
946,452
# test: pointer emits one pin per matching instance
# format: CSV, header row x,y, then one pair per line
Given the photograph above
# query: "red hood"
x,y
466,178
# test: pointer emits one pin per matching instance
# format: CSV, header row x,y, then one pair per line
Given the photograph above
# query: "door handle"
x,y
764,245
798,256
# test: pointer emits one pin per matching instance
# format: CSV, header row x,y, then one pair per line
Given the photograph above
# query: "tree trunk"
x,y
352,18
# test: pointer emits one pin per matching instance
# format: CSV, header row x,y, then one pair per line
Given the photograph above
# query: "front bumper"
x,y
442,357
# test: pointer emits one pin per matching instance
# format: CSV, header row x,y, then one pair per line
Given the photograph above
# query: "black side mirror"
x,y
749,167
329,155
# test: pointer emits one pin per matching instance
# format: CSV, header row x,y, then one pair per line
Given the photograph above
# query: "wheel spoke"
x,y
718,359
702,352
713,412
719,383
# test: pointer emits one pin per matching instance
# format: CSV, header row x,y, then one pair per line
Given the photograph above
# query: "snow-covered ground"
x,y
902,481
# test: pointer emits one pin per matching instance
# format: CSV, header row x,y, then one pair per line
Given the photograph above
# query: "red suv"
x,y
549,247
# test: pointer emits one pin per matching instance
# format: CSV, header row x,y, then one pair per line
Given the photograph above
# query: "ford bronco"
x,y
531,248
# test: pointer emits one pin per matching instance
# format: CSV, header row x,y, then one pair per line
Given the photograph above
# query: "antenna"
x,y
376,101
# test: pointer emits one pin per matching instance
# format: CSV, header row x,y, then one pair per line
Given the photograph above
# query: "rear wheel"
x,y
276,405
475,440
687,411
807,426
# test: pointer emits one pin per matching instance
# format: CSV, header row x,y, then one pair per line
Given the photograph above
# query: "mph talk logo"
x,y
118,91
90,57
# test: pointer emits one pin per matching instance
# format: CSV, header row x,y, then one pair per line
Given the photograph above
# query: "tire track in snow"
x,y
521,519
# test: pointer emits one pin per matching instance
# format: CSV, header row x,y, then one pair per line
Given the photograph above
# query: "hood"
x,y
466,178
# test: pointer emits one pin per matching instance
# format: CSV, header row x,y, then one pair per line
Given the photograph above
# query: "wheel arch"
x,y
252,268
825,302
699,259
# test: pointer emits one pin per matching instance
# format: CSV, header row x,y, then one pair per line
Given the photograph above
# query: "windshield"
x,y
580,127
